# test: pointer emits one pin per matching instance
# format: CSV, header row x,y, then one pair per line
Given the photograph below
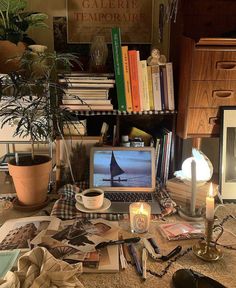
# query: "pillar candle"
x,y
140,213
194,187
210,204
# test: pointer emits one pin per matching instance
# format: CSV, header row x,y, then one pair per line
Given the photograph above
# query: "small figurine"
x,y
153,59
156,58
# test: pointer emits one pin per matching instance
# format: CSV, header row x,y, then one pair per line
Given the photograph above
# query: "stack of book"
x,y
181,192
87,91
140,87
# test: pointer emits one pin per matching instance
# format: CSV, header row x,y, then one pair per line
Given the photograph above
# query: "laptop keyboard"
x,y
128,196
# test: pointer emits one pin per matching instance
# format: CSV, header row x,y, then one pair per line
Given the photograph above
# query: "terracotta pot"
x,y
31,182
9,55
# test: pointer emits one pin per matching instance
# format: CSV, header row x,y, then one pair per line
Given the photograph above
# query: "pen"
x,y
123,261
154,245
144,263
135,258
116,242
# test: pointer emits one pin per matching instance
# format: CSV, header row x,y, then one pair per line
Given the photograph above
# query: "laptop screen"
x,y
120,168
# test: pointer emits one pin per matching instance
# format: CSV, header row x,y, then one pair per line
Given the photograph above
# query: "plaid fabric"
x,y
64,208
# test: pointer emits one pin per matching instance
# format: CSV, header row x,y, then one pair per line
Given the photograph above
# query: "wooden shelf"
x,y
117,112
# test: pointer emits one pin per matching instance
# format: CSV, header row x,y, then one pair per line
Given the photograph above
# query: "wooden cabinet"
x,y
207,81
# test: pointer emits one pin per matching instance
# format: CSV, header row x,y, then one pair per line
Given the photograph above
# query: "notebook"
x,y
126,175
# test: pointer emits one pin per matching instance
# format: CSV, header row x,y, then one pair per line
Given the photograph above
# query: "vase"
x,y
39,65
98,54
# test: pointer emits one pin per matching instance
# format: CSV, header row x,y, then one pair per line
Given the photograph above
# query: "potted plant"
x,y
14,24
30,98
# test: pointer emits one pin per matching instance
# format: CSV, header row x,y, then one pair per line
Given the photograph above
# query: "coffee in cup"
x,y
91,198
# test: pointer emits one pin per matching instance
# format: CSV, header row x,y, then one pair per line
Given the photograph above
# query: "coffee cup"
x,y
91,198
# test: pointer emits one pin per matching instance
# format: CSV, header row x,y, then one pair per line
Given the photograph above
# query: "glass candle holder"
x,y
140,213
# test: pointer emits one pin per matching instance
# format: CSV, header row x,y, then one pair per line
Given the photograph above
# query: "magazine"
x,y
72,241
182,230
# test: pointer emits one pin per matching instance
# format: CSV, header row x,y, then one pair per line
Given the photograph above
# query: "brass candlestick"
x,y
206,249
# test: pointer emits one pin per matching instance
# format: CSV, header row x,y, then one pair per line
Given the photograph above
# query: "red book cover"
x,y
134,79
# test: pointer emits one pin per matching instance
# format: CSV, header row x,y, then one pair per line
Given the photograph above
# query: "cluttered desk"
x,y
147,254
83,233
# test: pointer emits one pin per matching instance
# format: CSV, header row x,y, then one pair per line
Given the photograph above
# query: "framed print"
x,y
72,154
227,163
88,18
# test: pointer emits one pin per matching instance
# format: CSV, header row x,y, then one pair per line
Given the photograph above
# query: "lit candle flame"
x,y
141,209
211,192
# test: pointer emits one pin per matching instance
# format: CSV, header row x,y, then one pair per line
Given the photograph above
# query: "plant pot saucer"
x,y
29,208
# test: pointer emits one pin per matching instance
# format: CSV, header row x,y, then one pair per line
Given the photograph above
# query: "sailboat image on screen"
x,y
115,170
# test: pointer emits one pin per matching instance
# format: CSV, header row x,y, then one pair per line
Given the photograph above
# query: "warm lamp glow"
x,y
204,168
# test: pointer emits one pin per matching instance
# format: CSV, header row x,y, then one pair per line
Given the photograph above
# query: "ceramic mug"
x,y
91,198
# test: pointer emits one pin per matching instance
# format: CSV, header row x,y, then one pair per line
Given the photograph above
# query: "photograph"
x,y
19,233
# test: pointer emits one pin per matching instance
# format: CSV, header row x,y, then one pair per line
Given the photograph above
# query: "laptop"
x,y
126,175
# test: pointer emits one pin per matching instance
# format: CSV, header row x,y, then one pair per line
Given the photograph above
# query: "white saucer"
x,y
105,206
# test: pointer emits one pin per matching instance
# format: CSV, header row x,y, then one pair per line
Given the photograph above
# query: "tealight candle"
x,y
210,204
139,213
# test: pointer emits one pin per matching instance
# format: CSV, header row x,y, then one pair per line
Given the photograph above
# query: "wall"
x,y
51,8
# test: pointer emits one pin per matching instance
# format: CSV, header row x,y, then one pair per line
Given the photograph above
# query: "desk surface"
x,y
223,270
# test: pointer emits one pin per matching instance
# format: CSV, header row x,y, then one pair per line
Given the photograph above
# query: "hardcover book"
x,y
118,67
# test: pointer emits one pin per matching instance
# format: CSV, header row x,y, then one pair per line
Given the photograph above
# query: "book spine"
x,y
140,82
134,80
156,87
162,89
118,67
165,87
128,96
170,85
151,99
146,104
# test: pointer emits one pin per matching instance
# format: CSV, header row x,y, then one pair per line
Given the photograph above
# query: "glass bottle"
x,y
98,54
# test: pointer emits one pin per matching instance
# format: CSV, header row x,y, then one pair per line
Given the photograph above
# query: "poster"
x,y
87,18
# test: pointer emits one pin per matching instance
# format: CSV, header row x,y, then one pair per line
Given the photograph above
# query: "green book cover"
x,y
118,68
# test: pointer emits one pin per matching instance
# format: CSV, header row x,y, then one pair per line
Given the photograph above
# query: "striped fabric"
x,y
38,268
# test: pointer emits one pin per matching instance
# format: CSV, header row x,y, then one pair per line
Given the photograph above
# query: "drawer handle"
x,y
214,120
226,65
222,94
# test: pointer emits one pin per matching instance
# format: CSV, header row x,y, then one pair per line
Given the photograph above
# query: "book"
x,y
89,84
156,87
170,86
140,82
118,68
162,88
87,101
151,99
128,96
181,192
134,79
86,80
164,83
145,94
88,107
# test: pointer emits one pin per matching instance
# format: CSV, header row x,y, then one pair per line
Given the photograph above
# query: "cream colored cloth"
x,y
38,268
